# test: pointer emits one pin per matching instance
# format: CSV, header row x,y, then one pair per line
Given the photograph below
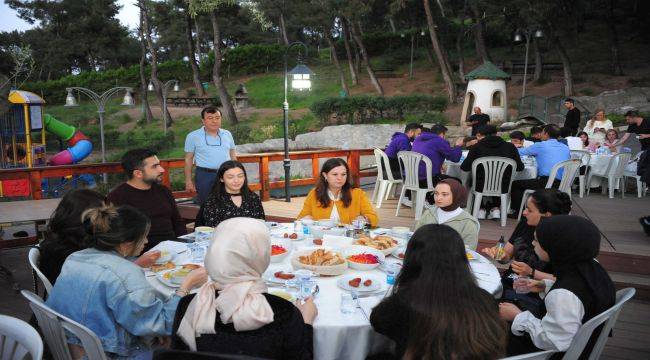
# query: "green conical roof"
x,y
487,71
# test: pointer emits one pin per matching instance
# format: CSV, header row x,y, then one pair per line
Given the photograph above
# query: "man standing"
x,y
638,126
572,117
143,191
401,142
548,153
208,148
478,119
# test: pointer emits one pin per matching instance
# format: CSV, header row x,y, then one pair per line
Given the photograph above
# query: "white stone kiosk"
x,y
486,88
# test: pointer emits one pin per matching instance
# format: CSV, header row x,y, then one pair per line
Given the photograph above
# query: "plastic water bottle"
x,y
392,270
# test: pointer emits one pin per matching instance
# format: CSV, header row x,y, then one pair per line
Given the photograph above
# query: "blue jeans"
x,y
204,180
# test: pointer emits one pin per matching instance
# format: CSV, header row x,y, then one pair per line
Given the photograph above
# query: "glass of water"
x,y
197,251
347,303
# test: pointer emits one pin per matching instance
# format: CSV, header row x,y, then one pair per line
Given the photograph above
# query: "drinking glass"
x,y
347,303
520,284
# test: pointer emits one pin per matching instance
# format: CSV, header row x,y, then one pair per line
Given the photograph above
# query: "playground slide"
x,y
79,145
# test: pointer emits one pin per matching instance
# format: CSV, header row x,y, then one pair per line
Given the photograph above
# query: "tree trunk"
x,y
191,56
198,42
393,29
440,54
459,49
283,30
154,61
566,66
366,60
538,60
346,41
617,69
479,37
228,110
335,58
146,109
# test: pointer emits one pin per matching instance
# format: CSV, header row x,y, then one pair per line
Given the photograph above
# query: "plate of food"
x,y
399,252
280,249
359,283
174,277
291,235
363,257
383,243
278,277
281,293
323,261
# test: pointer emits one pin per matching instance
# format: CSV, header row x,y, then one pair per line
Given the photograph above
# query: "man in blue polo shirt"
x,y
547,153
208,148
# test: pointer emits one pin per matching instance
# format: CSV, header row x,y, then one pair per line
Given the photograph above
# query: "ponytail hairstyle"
x,y
553,201
109,226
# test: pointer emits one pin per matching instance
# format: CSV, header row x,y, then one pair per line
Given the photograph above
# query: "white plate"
x,y
397,251
375,286
159,276
270,277
280,235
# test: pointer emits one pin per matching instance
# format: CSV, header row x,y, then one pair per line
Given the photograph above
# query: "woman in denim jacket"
x,y
102,289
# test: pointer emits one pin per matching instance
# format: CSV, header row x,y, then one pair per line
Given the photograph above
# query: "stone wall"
x,y
343,137
619,101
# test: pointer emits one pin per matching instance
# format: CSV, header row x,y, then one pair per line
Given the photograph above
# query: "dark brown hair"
x,y
451,317
321,185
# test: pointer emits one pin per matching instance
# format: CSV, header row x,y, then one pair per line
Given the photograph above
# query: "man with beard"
x,y
401,142
143,191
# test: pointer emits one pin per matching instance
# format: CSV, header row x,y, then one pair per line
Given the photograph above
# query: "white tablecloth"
x,y
337,335
599,164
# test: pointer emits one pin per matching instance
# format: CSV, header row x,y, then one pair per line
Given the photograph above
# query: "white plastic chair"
x,y
585,157
608,317
570,169
53,326
640,185
614,174
494,168
540,355
17,339
383,186
34,261
410,161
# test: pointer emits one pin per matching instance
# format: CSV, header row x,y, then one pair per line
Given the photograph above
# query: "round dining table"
x,y
338,335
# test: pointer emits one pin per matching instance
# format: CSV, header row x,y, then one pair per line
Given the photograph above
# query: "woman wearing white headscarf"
x,y
233,313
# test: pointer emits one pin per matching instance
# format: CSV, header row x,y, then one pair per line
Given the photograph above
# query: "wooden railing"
x,y
264,186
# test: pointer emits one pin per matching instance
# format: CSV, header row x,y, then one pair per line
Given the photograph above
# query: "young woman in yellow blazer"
x,y
334,198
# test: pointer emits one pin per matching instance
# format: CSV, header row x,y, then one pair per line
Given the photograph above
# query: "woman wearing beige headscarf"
x,y
233,313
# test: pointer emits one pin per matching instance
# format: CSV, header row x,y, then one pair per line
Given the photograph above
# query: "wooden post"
x,y
315,167
35,180
353,164
265,193
166,181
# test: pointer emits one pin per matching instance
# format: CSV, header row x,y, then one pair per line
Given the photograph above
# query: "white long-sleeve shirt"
x,y
555,331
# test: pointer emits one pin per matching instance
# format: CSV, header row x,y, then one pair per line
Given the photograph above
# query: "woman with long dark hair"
x,y
583,288
65,233
230,197
334,197
436,309
102,289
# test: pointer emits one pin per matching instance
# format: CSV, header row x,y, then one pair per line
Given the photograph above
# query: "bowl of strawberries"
x,y
280,249
363,257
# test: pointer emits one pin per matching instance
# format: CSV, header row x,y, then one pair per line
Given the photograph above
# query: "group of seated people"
x,y
94,254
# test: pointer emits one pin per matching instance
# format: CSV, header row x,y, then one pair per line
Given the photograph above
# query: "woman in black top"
x,y
233,313
436,309
65,233
230,197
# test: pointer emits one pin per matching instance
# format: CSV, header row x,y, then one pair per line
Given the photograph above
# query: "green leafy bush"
x,y
368,109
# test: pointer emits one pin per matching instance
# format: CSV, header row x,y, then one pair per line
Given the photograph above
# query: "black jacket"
x,y
492,146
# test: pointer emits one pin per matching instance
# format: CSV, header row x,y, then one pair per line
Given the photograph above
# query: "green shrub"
x,y
368,109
